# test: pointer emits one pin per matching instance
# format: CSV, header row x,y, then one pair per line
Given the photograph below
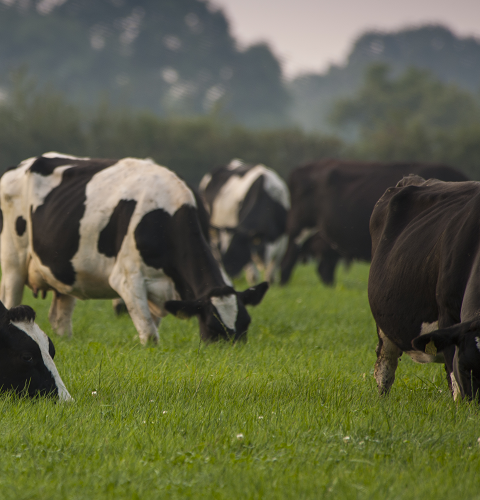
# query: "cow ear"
x,y
253,296
439,340
184,309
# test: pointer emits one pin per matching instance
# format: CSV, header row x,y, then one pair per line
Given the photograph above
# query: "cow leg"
x,y
326,267
252,274
133,291
119,307
155,313
288,262
387,362
274,253
11,290
60,314
13,257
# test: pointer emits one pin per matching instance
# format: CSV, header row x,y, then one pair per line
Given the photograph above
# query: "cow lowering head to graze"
x,y
26,356
333,200
248,207
423,287
101,229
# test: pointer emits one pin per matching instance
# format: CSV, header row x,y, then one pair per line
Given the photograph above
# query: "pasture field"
x,y
293,413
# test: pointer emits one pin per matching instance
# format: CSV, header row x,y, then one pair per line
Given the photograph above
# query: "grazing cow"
x,y
248,207
334,200
101,229
26,356
119,306
423,287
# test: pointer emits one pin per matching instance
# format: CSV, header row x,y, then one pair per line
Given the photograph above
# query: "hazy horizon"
x,y
309,35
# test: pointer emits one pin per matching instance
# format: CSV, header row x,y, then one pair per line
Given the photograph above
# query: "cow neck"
x,y
195,271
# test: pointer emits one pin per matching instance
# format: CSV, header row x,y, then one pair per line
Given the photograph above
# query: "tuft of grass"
x,y
293,413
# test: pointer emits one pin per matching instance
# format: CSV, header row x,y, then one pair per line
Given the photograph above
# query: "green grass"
x,y
165,422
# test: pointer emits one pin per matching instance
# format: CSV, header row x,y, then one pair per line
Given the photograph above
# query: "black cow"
x,y
88,228
248,207
424,287
26,356
334,199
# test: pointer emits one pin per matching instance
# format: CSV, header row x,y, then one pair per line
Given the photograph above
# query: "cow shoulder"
x,y
212,183
57,218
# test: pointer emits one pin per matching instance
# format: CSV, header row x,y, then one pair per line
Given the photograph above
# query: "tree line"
x,y
412,117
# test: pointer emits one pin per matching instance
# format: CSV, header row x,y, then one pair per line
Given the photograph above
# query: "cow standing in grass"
x,y
248,207
101,229
424,286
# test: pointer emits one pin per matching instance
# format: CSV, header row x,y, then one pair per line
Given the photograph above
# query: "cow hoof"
x,y
148,340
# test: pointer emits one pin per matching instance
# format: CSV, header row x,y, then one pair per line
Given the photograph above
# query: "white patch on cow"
x,y
227,308
428,327
455,388
305,233
225,276
225,238
235,163
36,334
423,357
55,154
204,182
226,205
276,187
477,341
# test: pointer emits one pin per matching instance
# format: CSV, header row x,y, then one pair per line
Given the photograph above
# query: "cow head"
x,y
222,313
26,355
465,338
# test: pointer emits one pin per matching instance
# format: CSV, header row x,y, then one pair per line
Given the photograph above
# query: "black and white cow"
x,y
248,207
424,287
100,229
26,356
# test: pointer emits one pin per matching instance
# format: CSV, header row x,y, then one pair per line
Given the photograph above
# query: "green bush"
x,y
33,121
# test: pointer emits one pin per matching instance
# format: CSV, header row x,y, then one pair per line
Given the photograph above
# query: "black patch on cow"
x,y
260,216
111,236
20,225
151,238
203,215
46,166
1,221
176,245
21,313
56,223
51,348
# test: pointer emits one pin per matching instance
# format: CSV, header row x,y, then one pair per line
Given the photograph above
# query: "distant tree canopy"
x,y
413,116
415,96
449,58
173,57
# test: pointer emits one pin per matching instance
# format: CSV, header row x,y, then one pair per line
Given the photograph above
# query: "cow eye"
x,y
27,357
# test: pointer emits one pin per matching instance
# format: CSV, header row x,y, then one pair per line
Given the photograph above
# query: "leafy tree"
x,y
450,59
415,96
173,57
412,117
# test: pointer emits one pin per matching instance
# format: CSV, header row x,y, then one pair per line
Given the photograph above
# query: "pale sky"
x,y
308,35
